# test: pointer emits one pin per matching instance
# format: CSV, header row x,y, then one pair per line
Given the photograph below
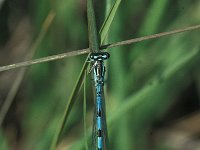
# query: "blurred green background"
x,y
151,86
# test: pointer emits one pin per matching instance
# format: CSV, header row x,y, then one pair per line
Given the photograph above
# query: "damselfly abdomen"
x,y
100,127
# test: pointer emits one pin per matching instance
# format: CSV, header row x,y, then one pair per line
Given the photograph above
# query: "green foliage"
x,y
3,141
143,80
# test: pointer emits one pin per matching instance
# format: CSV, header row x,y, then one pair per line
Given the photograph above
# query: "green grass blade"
x,y
79,82
169,72
142,96
153,17
20,75
92,28
84,112
93,37
69,105
107,23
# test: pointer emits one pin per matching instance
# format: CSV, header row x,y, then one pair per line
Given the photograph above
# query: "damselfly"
x,y
99,127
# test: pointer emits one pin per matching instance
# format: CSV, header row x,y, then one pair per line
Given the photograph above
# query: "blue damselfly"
x,y
99,128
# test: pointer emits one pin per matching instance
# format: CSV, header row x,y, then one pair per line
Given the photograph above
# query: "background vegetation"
x,y
148,86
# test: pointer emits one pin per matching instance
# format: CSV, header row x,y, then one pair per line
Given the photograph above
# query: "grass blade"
x,y
92,28
11,95
169,72
84,112
69,105
79,82
20,75
107,23
142,96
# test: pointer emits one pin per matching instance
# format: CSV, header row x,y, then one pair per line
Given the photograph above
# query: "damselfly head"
x,y
99,56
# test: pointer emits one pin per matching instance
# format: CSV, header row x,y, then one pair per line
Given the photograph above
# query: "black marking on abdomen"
x,y
99,113
99,133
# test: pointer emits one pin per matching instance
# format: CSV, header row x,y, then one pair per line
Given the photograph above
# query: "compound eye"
x,y
92,56
108,55
105,55
99,56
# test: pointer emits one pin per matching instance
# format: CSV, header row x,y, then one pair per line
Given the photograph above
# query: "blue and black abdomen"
x,y
100,129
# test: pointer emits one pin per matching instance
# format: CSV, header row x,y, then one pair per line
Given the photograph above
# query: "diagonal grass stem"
x,y
85,51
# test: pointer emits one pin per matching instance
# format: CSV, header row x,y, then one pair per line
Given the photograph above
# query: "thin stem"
x,y
69,106
20,75
85,51
85,111
44,59
11,95
1,3
153,36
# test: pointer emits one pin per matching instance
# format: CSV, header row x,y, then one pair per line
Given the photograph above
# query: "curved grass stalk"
x,y
20,75
107,23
